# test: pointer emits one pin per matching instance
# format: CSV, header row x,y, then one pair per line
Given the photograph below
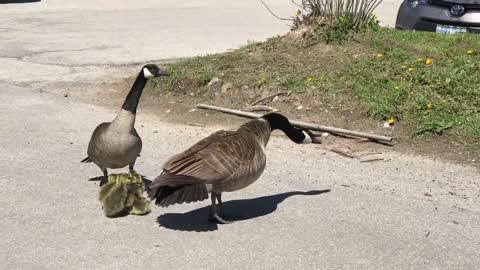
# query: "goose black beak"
x,y
315,138
161,73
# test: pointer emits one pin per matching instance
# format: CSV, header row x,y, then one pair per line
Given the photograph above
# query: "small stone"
x,y
325,134
213,81
167,111
227,86
192,110
66,95
244,87
299,107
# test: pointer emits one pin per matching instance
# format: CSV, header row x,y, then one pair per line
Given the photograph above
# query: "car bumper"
x,y
427,17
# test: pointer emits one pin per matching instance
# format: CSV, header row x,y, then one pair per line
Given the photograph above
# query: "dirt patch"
x,y
179,108
186,85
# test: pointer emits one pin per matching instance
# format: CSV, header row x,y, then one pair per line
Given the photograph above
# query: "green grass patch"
x,y
430,79
436,97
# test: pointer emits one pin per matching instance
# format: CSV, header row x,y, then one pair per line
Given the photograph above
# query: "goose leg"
x,y
105,175
220,203
214,217
130,167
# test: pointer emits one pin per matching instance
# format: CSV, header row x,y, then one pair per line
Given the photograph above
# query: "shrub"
x,y
336,20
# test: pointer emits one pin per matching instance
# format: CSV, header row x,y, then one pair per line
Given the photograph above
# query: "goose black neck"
x,y
133,97
294,134
278,121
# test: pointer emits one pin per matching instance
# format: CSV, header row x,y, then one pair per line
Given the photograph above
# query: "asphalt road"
x,y
311,209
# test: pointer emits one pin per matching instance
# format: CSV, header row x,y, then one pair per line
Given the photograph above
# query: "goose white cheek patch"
x,y
147,74
307,138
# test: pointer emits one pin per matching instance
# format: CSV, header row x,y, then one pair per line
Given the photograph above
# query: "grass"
x,y
422,77
380,74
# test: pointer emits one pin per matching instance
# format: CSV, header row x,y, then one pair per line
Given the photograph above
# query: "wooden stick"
x,y
259,108
342,153
371,160
333,130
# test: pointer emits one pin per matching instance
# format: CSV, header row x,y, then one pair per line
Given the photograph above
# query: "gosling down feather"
x,y
225,161
116,144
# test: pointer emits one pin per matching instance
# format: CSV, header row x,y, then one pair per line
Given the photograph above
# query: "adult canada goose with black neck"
x,y
223,162
116,144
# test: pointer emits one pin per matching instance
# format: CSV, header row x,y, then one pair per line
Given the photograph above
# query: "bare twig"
x,y
195,125
342,153
260,108
371,160
268,97
274,15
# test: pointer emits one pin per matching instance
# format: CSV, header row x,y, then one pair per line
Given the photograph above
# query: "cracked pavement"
x,y
408,213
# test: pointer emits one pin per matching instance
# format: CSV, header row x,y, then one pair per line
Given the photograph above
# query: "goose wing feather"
x,y
213,159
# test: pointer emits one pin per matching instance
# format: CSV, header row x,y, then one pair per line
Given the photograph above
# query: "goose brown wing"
x,y
212,159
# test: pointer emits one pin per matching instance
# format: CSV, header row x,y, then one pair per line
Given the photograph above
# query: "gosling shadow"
x,y
236,210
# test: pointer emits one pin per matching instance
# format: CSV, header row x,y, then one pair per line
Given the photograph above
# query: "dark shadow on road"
x,y
17,1
236,210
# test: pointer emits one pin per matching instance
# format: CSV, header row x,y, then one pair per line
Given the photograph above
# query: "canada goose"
x,y
116,144
224,161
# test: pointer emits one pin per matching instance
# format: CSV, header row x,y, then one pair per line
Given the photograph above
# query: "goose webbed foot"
x,y
215,217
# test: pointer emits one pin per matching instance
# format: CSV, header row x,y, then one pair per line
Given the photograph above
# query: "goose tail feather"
x,y
86,160
166,195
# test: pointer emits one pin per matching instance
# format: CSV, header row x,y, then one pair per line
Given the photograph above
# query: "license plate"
x,y
448,29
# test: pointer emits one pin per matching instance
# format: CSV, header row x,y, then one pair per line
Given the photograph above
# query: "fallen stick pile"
x,y
336,131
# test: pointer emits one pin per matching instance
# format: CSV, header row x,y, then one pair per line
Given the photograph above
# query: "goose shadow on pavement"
x,y
236,210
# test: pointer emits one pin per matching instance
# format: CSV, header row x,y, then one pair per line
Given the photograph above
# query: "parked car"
x,y
441,16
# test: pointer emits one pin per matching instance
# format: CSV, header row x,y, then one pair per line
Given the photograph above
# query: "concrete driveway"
x,y
311,209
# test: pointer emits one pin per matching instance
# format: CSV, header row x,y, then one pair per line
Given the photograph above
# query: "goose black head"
x,y
151,70
278,121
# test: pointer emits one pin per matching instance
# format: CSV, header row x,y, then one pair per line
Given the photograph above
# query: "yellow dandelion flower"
x,y
469,52
428,61
391,121
397,88
404,67
380,55
309,79
410,69
419,60
429,106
